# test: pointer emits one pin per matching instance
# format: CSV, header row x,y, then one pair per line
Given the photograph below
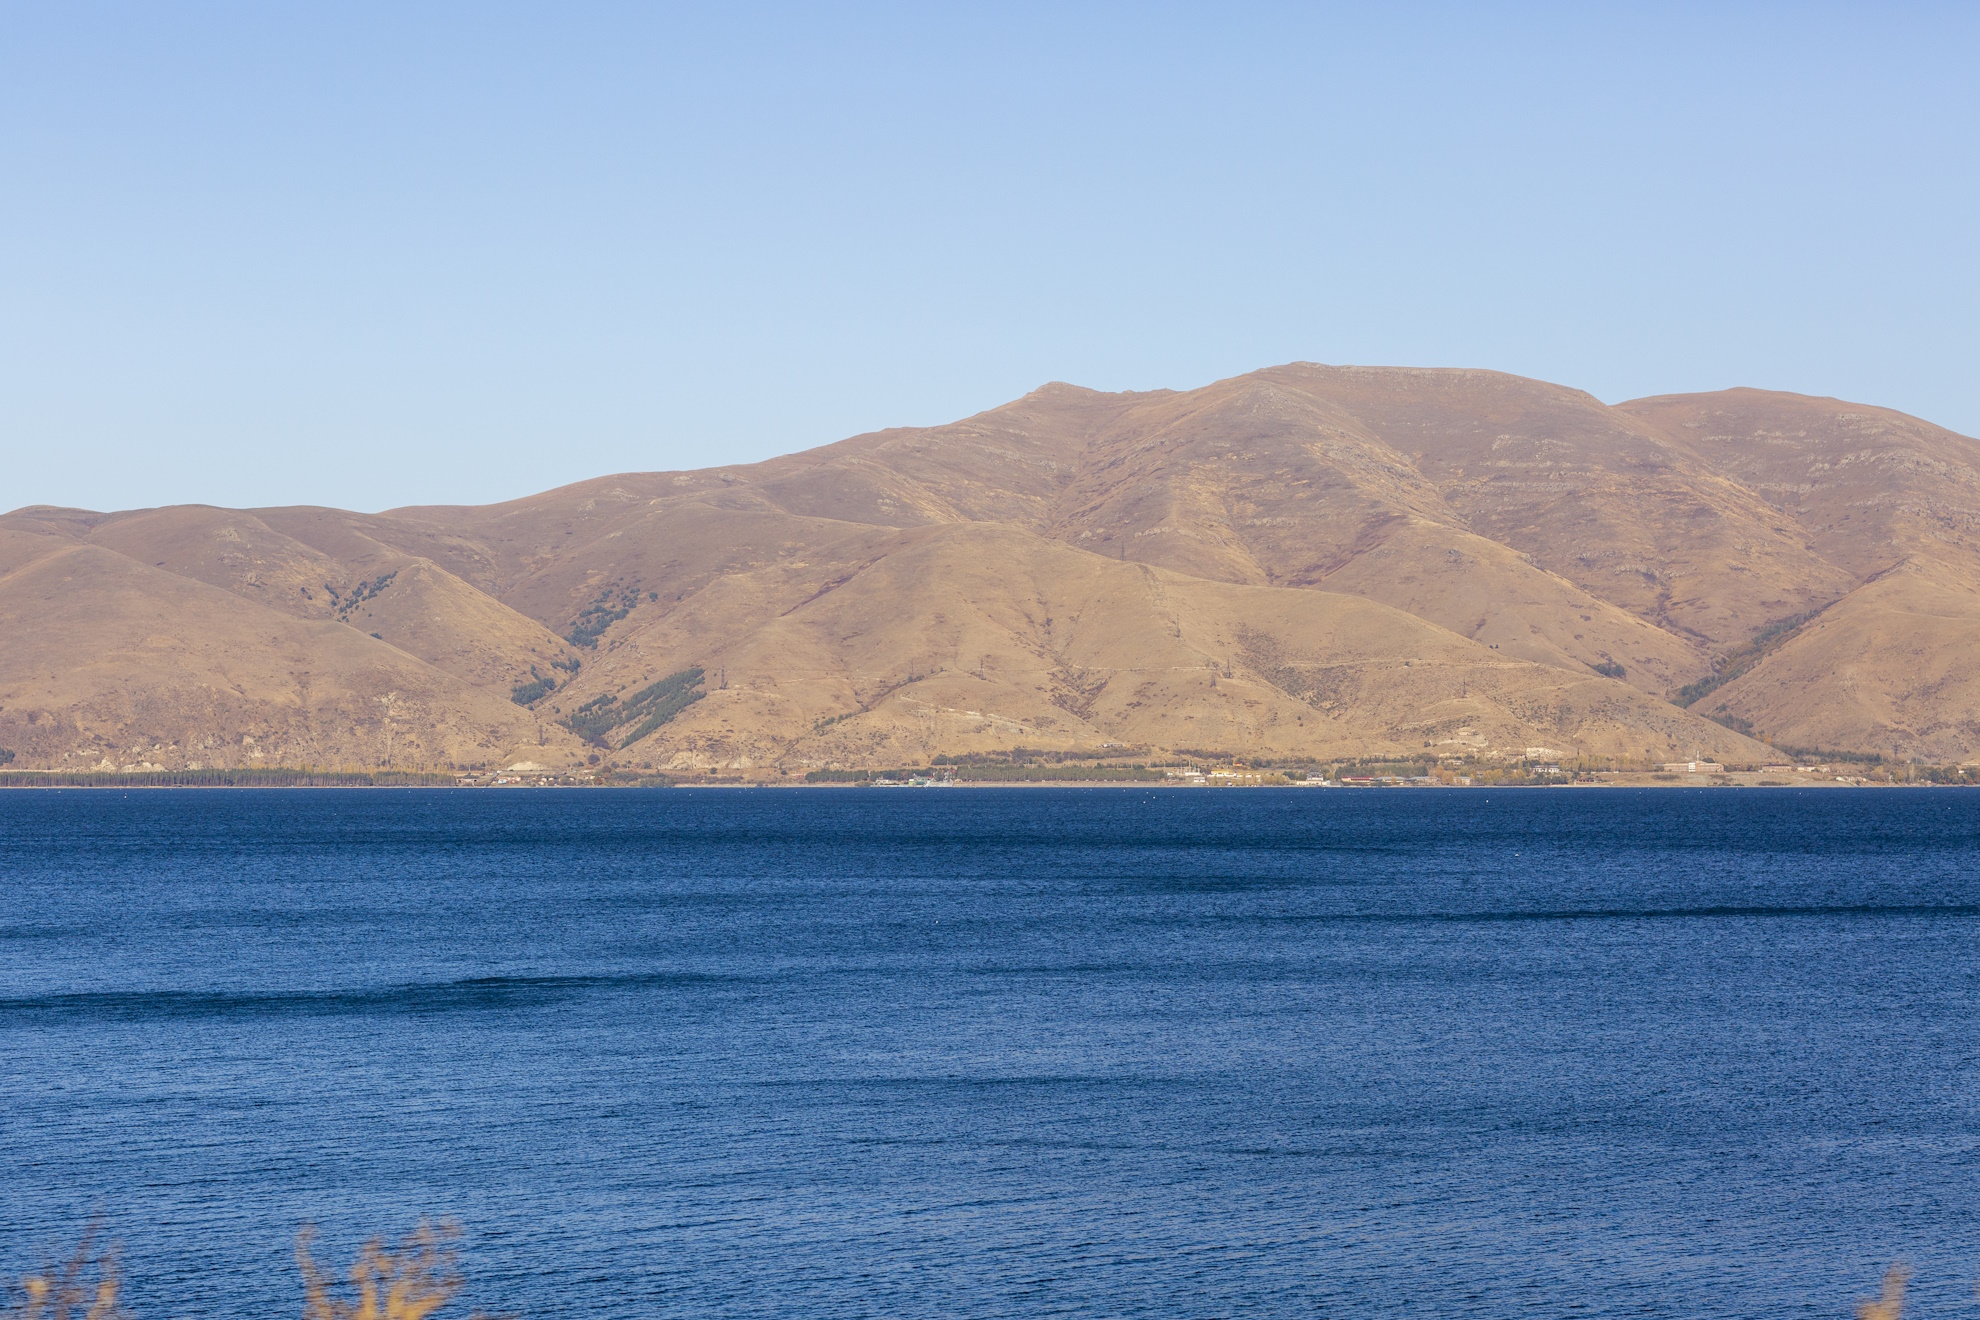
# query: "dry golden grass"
x,y
409,1282
1890,1305
412,1281
82,1288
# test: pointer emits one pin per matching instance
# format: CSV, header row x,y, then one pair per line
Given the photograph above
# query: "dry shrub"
x,y
82,1288
1889,1306
409,1283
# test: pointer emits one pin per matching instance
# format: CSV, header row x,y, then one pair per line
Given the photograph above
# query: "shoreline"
x,y
1619,781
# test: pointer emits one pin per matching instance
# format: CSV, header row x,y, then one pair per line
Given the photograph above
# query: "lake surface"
x,y
1004,1052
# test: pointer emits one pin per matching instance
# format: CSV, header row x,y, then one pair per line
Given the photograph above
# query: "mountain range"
x,y
1306,562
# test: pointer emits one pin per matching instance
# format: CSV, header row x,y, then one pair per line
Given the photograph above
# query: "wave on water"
x,y
465,995
1510,915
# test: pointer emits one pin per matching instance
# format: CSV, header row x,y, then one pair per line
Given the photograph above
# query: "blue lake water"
x,y
1004,1052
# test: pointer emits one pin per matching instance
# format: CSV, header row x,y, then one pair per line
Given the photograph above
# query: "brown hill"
x,y
1305,561
111,663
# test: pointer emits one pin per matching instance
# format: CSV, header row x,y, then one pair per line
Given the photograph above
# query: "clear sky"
x,y
371,255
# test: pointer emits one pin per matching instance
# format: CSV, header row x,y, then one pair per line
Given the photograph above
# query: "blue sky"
x,y
371,255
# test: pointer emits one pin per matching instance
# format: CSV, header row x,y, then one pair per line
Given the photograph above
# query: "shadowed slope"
x,y
1890,666
112,663
406,600
1867,486
980,637
1590,494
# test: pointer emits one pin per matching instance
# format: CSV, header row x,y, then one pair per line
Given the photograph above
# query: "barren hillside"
x,y
1306,561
